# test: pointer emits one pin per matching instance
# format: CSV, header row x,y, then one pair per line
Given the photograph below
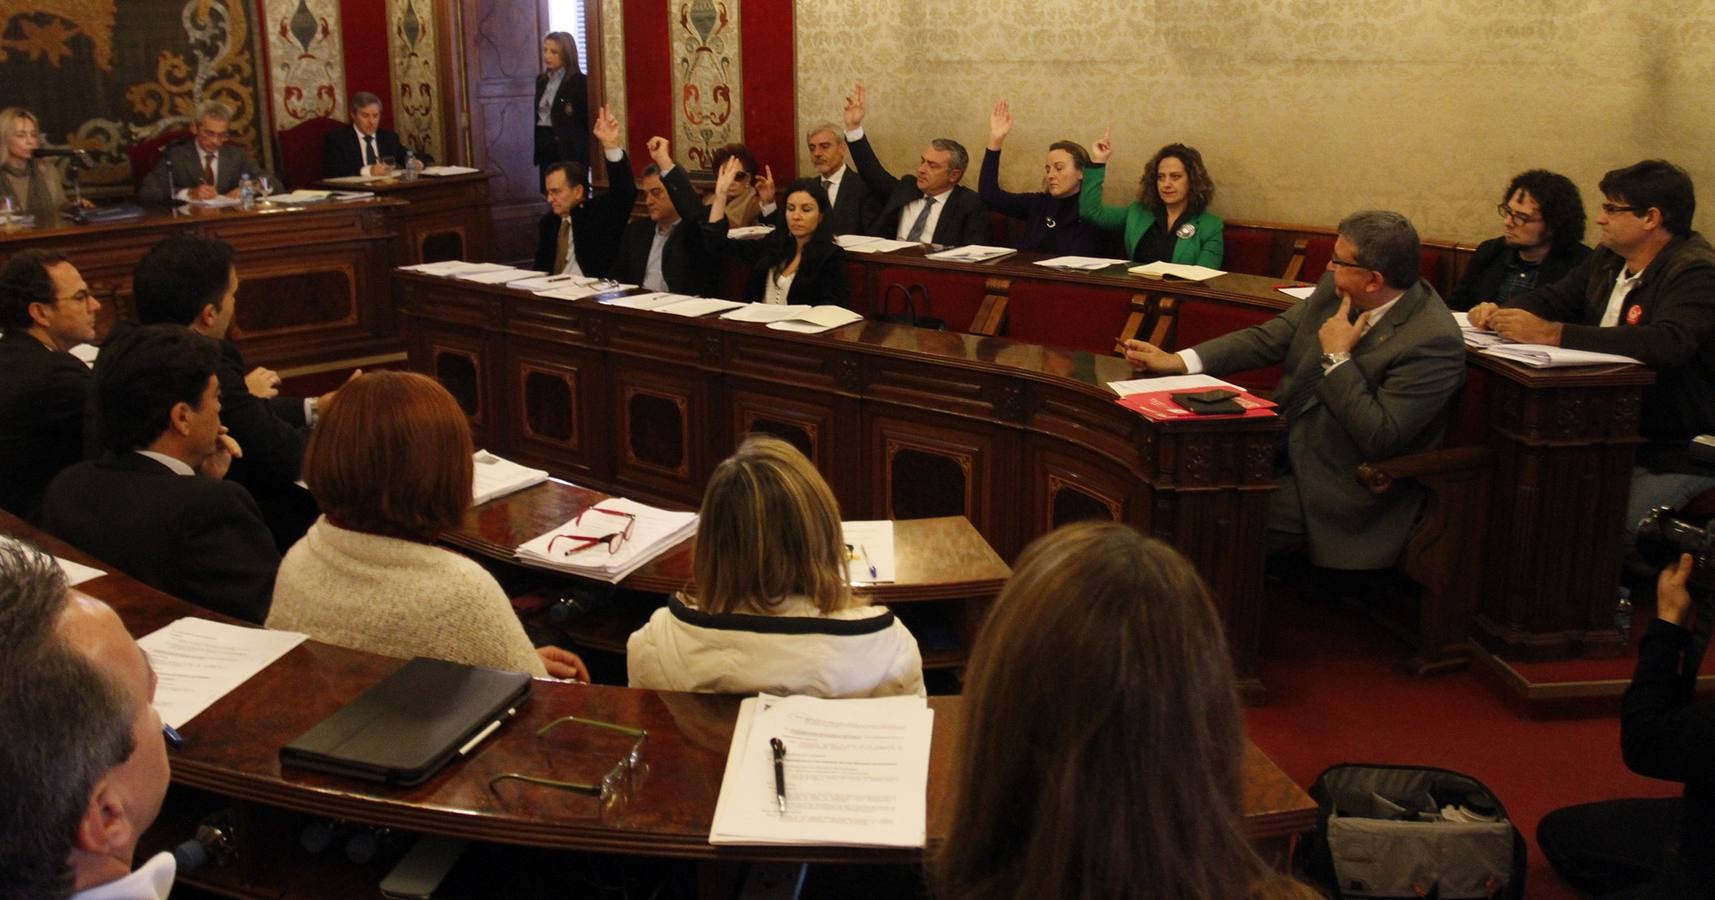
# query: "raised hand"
x,y
606,129
727,175
1000,124
1103,147
855,107
661,151
765,186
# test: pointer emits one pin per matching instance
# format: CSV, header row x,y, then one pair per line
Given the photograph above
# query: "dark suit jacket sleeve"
x,y
272,445
230,558
1662,734
833,286
1015,206
547,236
342,155
1477,286
633,256
1387,416
974,220
290,410
715,237
869,168
685,197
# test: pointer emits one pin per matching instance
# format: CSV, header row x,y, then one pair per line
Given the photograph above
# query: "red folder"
x,y
1158,406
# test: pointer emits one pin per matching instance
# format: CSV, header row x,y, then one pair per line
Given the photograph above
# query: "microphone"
x,y
79,157
211,846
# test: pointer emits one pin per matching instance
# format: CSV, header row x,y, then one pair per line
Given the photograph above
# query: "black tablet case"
x,y
406,728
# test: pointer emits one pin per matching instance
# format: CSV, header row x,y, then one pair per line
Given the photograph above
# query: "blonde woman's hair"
x,y
770,529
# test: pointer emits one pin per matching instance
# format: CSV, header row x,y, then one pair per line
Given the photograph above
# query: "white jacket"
x,y
862,651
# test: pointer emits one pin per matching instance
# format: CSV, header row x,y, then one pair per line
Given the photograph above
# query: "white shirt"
x,y
1194,363
545,106
775,287
179,466
653,278
152,880
832,183
1623,285
363,149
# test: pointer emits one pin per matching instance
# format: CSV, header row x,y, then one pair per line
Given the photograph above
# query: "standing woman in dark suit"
x,y
562,106
800,264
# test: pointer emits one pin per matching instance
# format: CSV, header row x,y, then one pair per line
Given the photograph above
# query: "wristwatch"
x,y
1330,360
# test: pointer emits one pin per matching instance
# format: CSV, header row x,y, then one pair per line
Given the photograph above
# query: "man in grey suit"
x,y
1371,360
203,168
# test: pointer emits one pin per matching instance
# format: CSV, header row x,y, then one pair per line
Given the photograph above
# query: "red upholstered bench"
x,y
1249,250
1074,316
1199,320
953,296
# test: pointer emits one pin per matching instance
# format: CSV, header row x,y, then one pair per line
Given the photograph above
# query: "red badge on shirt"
x,y
1634,314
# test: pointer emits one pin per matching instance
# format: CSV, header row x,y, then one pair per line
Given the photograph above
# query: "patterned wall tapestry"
x,y
306,60
416,74
62,61
707,84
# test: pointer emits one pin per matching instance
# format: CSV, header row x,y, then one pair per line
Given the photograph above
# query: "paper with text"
x,y
198,661
872,560
1169,383
857,773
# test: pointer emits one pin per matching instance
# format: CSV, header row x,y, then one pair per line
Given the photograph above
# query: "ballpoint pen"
x,y
779,772
174,739
867,561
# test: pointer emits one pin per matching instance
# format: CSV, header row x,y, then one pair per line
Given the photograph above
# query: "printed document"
x,y
197,662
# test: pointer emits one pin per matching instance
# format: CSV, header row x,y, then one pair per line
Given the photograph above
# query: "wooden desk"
x,y
939,559
313,283
1563,439
905,423
448,215
232,749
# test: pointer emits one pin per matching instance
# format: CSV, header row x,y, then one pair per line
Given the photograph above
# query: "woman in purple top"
x,y
1051,220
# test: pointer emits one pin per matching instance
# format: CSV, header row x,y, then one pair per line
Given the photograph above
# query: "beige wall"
x,y
1304,109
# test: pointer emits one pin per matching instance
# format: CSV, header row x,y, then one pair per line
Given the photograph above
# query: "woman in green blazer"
x,y
1170,220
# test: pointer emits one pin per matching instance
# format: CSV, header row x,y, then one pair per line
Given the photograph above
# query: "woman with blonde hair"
x,y
770,606
390,462
33,185
1103,736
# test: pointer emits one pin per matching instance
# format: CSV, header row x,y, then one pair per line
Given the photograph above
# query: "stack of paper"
x,y
856,773
495,477
357,179
692,307
799,318
574,546
502,275
1297,291
437,171
197,662
579,288
859,243
1170,383
453,267
1474,336
750,232
1543,356
299,197
870,551
1080,263
348,196
972,253
1175,270
651,300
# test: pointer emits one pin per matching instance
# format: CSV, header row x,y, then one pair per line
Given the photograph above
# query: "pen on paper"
x,y
867,561
779,773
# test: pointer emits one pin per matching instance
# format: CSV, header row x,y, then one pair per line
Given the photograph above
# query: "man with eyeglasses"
x,y
203,167
1371,360
1649,293
1542,237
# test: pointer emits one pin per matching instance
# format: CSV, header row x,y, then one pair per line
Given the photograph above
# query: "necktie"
x,y
561,246
369,150
827,183
916,232
208,169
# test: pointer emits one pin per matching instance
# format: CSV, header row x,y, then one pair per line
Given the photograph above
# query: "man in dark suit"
x,y
854,207
932,206
1371,358
579,233
45,309
155,504
190,280
203,168
360,149
667,252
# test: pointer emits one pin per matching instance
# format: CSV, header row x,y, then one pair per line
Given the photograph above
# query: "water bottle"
x,y
1623,614
7,209
246,192
410,173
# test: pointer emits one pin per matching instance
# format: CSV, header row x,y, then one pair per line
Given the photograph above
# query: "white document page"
x,y
435,171
858,243
577,291
1080,263
1544,356
766,312
872,557
1169,383
857,773
77,573
972,253
299,197
750,232
1298,293
652,300
817,319
197,662
498,276
496,477
357,179
1177,270
452,267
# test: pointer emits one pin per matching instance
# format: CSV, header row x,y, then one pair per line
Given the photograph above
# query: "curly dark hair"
x,y
746,158
1562,206
1202,187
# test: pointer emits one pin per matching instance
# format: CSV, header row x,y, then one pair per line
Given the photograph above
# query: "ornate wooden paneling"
x,y
661,421
502,54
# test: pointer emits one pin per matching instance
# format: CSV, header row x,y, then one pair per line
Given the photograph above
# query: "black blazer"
x,y
42,396
569,117
342,152
273,434
963,220
854,206
1488,266
597,224
196,538
686,262
821,279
